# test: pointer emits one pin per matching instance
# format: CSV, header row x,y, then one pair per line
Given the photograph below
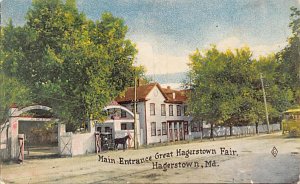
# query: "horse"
x,y
122,140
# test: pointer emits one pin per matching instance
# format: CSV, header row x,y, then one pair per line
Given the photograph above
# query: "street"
x,y
236,160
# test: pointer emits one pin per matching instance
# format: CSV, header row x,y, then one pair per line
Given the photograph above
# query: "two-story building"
x,y
162,112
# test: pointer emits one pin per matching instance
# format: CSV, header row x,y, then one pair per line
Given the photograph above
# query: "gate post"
x,y
97,142
21,146
61,131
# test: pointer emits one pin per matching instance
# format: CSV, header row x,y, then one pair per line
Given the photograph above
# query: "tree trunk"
x,y
230,130
211,131
201,129
256,127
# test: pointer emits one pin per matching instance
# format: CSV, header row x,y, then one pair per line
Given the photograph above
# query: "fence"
x,y
4,140
236,131
76,144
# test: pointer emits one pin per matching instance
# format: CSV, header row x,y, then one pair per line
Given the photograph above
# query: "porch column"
x,y
173,134
181,132
168,132
177,127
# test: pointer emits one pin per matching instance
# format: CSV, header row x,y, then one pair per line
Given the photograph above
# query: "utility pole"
x,y
135,122
265,101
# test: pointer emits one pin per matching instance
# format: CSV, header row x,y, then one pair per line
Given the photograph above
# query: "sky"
x,y
166,32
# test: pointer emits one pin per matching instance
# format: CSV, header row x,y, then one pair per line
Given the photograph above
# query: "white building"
x,y
162,113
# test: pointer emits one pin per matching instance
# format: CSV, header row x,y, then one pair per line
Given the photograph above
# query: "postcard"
x,y
150,91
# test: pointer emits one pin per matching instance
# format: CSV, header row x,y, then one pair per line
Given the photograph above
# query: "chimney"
x,y
174,95
168,87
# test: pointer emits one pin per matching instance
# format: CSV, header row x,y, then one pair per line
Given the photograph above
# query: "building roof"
x,y
144,90
175,96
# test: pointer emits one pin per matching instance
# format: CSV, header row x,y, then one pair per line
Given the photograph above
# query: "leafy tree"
x,y
69,62
290,57
227,88
11,93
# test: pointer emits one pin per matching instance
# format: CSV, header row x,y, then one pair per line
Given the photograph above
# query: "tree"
x,y
11,93
227,89
69,62
290,57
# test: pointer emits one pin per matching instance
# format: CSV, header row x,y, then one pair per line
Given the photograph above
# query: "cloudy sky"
x,y
167,31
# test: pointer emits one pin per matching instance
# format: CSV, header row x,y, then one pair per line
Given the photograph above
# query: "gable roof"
x,y
175,96
142,92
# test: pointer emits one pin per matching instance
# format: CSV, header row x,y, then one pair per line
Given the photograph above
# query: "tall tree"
x,y
290,56
227,87
70,63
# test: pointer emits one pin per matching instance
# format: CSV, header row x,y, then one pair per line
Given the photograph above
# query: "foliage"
x,y
227,87
69,62
290,57
11,92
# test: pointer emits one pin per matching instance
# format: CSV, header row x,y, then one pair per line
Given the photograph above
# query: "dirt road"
x,y
242,160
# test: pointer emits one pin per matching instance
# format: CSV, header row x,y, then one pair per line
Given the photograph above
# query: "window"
x,y
132,125
107,129
185,110
164,128
170,110
178,110
163,109
152,109
153,128
123,126
123,114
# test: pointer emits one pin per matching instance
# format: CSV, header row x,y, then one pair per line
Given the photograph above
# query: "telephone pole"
x,y
135,122
265,101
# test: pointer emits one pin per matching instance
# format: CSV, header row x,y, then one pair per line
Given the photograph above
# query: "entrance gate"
x,y
10,137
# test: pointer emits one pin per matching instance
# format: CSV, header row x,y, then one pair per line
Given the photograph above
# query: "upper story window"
x,y
178,110
185,110
163,109
152,109
170,110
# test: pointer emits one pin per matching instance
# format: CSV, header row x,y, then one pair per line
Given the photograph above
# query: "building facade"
x,y
162,112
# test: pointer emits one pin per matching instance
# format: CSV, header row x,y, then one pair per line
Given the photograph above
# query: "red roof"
x,y
175,96
144,90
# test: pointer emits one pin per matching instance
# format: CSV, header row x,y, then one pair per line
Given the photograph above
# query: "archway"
x,y
40,141
119,107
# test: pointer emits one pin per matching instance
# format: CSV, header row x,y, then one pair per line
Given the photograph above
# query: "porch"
x,y
177,130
